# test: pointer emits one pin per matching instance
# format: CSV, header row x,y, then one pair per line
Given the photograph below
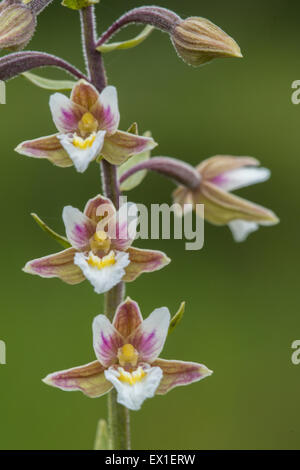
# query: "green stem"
x,y
118,415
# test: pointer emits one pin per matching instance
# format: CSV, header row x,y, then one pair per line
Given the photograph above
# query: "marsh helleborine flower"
x,y
88,127
127,358
101,249
17,24
198,40
219,175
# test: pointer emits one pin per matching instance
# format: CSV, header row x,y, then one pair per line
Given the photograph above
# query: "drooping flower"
x,y
17,24
101,250
219,175
127,353
88,128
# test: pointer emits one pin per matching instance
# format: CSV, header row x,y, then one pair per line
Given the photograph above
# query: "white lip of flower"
x,y
134,387
103,273
82,151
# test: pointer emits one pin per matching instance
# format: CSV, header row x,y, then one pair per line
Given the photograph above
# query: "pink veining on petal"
x,y
219,180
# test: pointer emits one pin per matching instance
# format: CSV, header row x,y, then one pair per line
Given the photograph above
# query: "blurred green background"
x,y
242,299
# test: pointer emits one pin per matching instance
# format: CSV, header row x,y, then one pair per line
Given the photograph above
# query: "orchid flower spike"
x,y
127,353
101,249
219,175
87,126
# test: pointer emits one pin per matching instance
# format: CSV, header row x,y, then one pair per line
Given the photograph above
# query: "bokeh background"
x,y
242,309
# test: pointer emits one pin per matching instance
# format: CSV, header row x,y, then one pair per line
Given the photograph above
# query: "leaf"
x,y
137,177
47,83
78,4
113,46
101,441
177,318
59,238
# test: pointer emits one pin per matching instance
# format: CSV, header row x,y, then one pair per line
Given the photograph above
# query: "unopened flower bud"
x,y
198,41
17,25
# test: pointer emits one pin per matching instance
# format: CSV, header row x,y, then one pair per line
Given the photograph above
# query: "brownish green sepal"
x,y
177,318
59,238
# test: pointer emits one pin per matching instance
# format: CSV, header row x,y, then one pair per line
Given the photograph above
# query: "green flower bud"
x,y
17,25
198,41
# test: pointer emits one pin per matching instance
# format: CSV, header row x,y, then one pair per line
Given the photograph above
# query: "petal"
x,y
122,145
221,207
241,229
65,113
82,157
127,318
84,94
215,166
133,396
149,338
177,373
241,177
144,261
57,265
106,340
46,147
79,228
98,207
105,278
106,110
126,224
89,379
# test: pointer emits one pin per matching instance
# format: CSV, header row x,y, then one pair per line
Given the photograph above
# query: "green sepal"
x,y
47,83
177,318
59,238
78,4
127,44
102,440
136,179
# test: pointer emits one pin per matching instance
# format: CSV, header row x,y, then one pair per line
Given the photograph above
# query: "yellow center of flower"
x,y
101,263
127,355
100,241
83,143
131,378
87,124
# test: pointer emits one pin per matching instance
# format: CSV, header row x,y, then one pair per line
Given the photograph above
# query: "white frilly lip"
x,y
241,229
105,278
82,157
133,396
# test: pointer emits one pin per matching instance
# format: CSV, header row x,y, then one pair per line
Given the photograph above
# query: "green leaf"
x,y
177,318
47,83
134,180
113,46
78,4
101,441
59,238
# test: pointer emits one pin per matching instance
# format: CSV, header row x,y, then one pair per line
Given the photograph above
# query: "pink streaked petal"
x,y
176,373
126,224
89,379
65,113
144,261
122,145
57,265
84,94
106,110
106,340
149,338
127,318
98,206
48,147
79,228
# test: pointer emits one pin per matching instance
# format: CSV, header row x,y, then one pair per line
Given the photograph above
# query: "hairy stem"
x,y
161,18
118,415
181,172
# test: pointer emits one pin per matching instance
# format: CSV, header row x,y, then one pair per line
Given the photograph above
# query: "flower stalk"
x,y
118,415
